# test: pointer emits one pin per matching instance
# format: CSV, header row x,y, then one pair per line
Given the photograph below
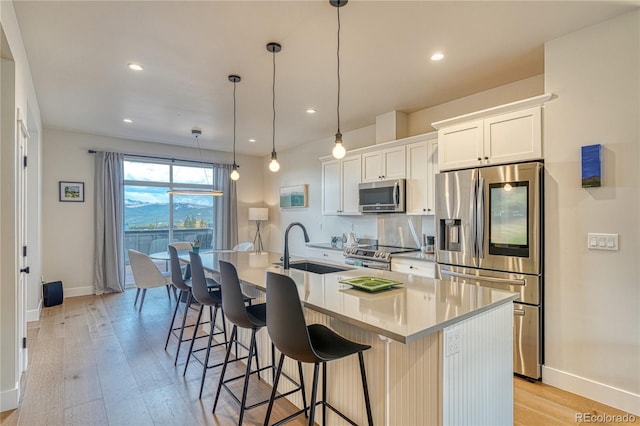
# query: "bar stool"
x,y
249,317
315,344
212,299
184,287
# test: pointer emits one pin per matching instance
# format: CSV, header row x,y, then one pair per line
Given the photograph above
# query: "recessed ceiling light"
x,y
136,67
252,140
311,111
437,56
127,120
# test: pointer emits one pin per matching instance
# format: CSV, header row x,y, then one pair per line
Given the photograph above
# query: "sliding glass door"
x,y
153,217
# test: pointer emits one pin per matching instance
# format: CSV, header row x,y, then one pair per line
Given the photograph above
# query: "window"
x,y
153,217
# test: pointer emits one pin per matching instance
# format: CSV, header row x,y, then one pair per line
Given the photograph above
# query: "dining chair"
x,y
246,246
249,318
212,300
181,245
315,344
146,275
184,287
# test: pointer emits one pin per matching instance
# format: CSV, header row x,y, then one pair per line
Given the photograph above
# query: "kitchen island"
x,y
441,351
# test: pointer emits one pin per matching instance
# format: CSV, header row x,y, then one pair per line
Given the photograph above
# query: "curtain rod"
x,y
92,151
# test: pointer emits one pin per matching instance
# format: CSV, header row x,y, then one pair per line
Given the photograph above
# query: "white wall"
x,y
592,320
66,157
301,165
17,93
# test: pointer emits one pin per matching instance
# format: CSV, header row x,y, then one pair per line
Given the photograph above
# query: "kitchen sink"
x,y
316,268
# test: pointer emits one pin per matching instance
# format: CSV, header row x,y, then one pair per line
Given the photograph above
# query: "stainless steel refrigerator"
x,y
488,232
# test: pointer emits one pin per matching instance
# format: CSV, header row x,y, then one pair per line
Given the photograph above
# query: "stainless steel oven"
x,y
374,257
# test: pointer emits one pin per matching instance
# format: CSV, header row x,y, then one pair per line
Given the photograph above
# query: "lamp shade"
x,y
258,213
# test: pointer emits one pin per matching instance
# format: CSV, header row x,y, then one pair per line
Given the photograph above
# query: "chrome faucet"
x,y
285,259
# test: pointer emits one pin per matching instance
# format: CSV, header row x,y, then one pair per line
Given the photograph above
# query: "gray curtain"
x,y
225,212
109,219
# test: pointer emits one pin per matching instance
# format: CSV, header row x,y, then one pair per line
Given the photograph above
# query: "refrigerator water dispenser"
x,y
449,234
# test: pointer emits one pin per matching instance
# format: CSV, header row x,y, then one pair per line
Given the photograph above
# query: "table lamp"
x,y
258,214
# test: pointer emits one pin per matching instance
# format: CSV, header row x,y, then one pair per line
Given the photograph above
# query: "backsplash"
x,y
365,226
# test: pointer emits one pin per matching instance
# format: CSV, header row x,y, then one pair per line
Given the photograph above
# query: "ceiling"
x,y
78,52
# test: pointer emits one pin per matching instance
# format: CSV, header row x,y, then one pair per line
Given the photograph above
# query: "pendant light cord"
x,y
338,71
273,104
234,124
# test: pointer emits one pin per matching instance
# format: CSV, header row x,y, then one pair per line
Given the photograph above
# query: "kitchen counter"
x,y
436,346
405,313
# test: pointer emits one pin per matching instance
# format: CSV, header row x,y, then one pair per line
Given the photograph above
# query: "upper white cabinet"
x,y
384,164
422,166
505,134
340,179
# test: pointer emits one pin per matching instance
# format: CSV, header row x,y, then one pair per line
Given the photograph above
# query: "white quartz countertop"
x,y
419,307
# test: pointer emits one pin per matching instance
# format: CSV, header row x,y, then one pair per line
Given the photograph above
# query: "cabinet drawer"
x,y
415,267
326,255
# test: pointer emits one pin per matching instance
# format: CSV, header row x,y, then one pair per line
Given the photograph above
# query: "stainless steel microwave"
x,y
386,196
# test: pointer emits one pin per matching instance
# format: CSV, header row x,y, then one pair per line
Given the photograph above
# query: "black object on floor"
x,y
52,293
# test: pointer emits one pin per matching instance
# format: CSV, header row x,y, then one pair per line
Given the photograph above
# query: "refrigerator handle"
x,y
473,215
480,218
483,278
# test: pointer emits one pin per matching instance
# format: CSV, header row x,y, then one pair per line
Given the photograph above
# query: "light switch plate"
x,y
596,241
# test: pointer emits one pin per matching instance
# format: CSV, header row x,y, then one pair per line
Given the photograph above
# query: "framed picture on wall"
x,y
294,196
71,191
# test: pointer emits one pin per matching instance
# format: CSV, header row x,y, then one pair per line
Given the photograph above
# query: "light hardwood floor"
x,y
95,360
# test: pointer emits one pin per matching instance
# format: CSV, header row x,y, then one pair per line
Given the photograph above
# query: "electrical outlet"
x,y
452,341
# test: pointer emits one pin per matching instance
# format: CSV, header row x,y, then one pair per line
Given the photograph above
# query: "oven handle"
x,y
396,193
482,278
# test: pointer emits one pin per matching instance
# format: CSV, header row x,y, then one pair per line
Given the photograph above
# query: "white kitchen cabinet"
x,y
384,164
505,138
340,179
422,166
421,268
327,255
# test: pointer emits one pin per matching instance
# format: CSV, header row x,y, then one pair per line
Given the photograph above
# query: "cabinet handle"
x,y
424,210
486,158
479,158
325,254
412,267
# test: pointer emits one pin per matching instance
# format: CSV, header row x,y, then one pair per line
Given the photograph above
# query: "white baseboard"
x,y
34,314
605,394
9,398
79,291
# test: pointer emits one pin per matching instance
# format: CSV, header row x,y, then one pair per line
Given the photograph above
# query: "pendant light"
x,y
274,166
338,149
235,175
208,192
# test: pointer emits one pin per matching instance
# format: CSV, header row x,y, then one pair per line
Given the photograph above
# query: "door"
x,y
350,172
23,138
509,226
461,145
331,188
455,218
